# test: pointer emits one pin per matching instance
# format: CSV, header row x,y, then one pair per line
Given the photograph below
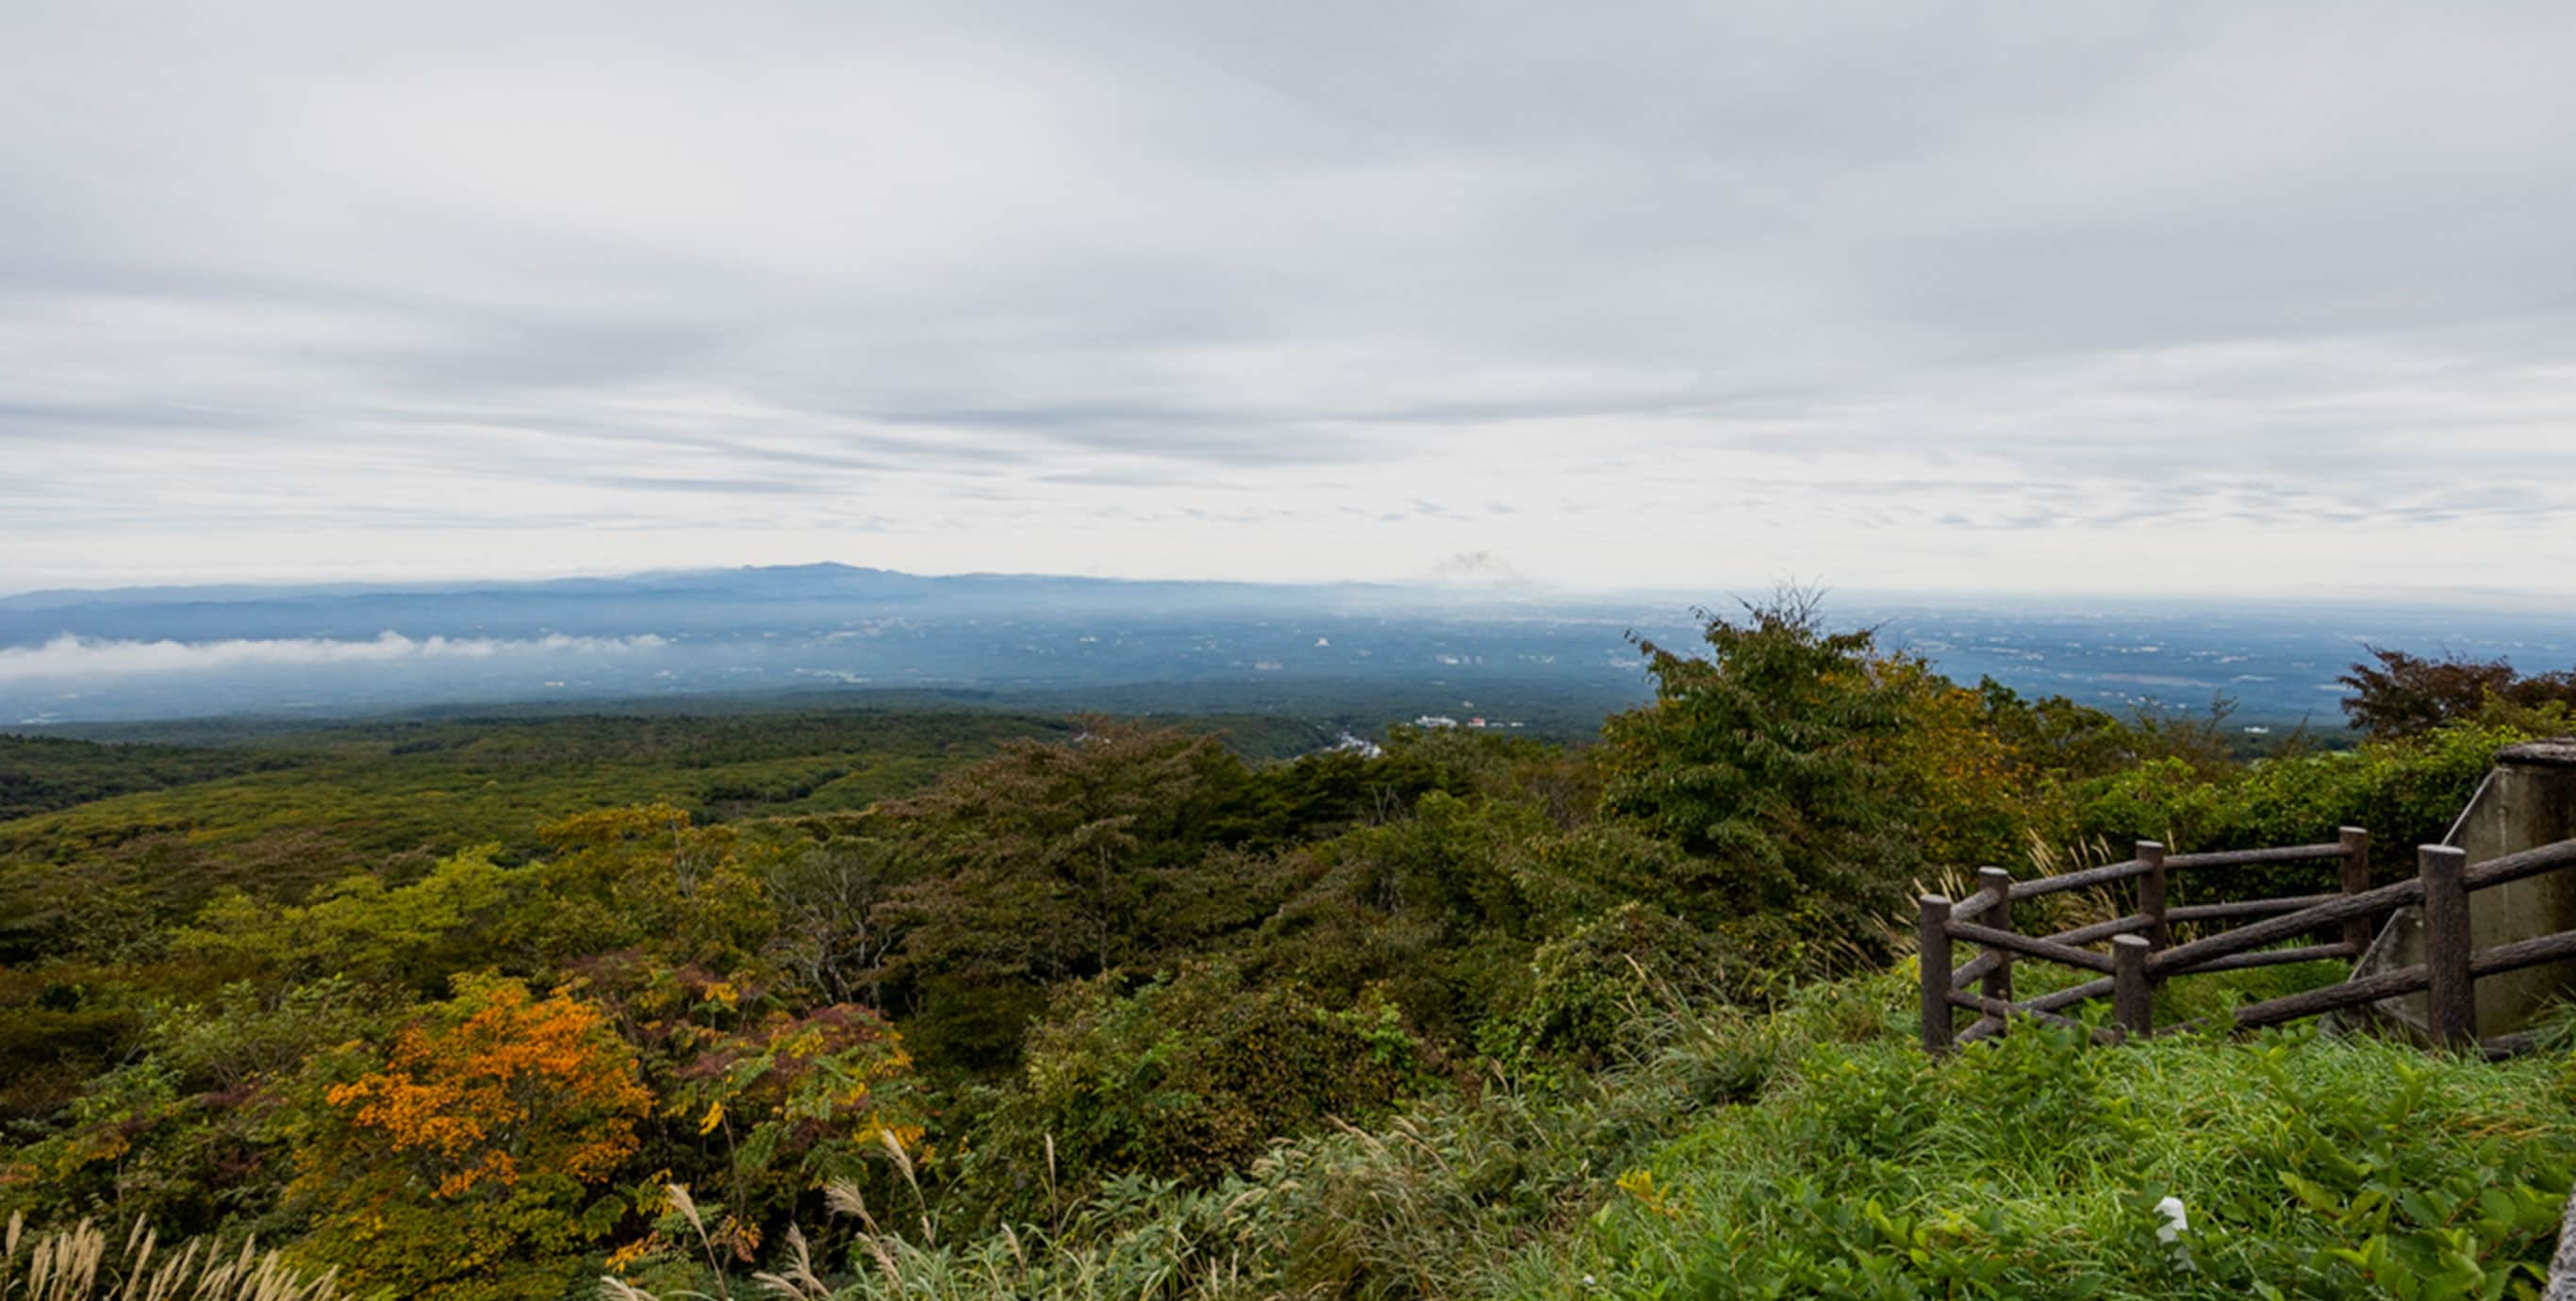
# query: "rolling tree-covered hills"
x,y
967,1002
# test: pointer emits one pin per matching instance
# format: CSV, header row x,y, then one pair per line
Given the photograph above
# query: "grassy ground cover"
x,y
1814,1151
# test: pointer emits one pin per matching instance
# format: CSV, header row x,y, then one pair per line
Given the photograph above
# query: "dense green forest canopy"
x,y
493,1006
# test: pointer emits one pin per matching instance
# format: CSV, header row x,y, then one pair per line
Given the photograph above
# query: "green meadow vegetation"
x,y
917,1002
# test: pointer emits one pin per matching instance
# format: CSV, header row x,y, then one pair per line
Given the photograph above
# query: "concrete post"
x,y
2529,800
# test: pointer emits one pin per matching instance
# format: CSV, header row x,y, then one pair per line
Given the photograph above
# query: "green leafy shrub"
x,y
2404,695
1605,976
471,1156
192,1134
2406,792
1192,1076
1769,758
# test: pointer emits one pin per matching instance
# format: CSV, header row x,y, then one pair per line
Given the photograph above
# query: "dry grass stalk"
x,y
74,1264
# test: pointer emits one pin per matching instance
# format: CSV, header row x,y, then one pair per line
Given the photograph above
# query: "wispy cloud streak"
x,y
69,658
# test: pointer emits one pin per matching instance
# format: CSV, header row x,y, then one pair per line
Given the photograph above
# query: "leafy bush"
x,y
2404,695
799,1101
1189,1077
1767,758
1606,975
193,1133
2406,792
471,1154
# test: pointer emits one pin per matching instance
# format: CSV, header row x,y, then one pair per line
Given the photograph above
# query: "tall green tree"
x,y
1041,864
1768,755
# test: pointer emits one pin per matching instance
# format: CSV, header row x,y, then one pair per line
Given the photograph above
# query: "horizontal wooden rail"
x,y
1978,967
1996,1007
2516,866
2031,945
1974,906
2271,958
2102,930
2000,1011
2090,876
2387,898
2351,993
2143,959
2506,1047
2403,981
1976,970
2071,995
2250,857
2523,953
2210,912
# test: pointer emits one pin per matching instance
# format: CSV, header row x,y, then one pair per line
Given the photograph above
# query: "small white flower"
x,y
2176,1223
2170,1232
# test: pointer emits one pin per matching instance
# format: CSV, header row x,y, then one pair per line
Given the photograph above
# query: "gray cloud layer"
x,y
2154,295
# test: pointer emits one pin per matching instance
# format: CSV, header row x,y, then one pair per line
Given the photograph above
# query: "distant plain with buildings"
x,y
1345,655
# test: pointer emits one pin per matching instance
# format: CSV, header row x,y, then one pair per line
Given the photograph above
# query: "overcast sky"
x,y
2145,298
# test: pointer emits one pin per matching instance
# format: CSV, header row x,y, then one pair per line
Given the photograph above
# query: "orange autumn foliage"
x,y
482,1131
499,1072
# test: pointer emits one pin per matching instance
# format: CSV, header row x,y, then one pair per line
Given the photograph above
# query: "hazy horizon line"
x,y
2474,597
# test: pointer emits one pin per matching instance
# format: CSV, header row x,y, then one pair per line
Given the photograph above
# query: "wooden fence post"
x,y
1999,981
2356,878
1935,935
2450,1004
2132,998
2151,894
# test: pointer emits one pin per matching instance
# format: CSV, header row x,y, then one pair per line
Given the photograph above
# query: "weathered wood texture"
x,y
2276,957
2138,963
2215,912
2316,1002
2031,946
2355,870
1998,982
1975,969
1933,931
2099,931
2533,952
2387,898
2516,866
1975,906
2450,1005
2151,894
2132,992
2250,857
2089,877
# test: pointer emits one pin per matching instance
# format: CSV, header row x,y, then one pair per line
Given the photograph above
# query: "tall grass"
x,y
75,1264
1445,1200
2033,1166
1814,1150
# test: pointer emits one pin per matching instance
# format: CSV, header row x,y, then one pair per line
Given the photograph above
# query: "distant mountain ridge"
x,y
660,602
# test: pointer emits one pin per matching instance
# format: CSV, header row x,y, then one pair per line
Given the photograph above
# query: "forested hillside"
x,y
983,1004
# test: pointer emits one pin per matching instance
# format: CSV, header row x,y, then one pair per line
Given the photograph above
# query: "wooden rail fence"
x,y
2142,955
